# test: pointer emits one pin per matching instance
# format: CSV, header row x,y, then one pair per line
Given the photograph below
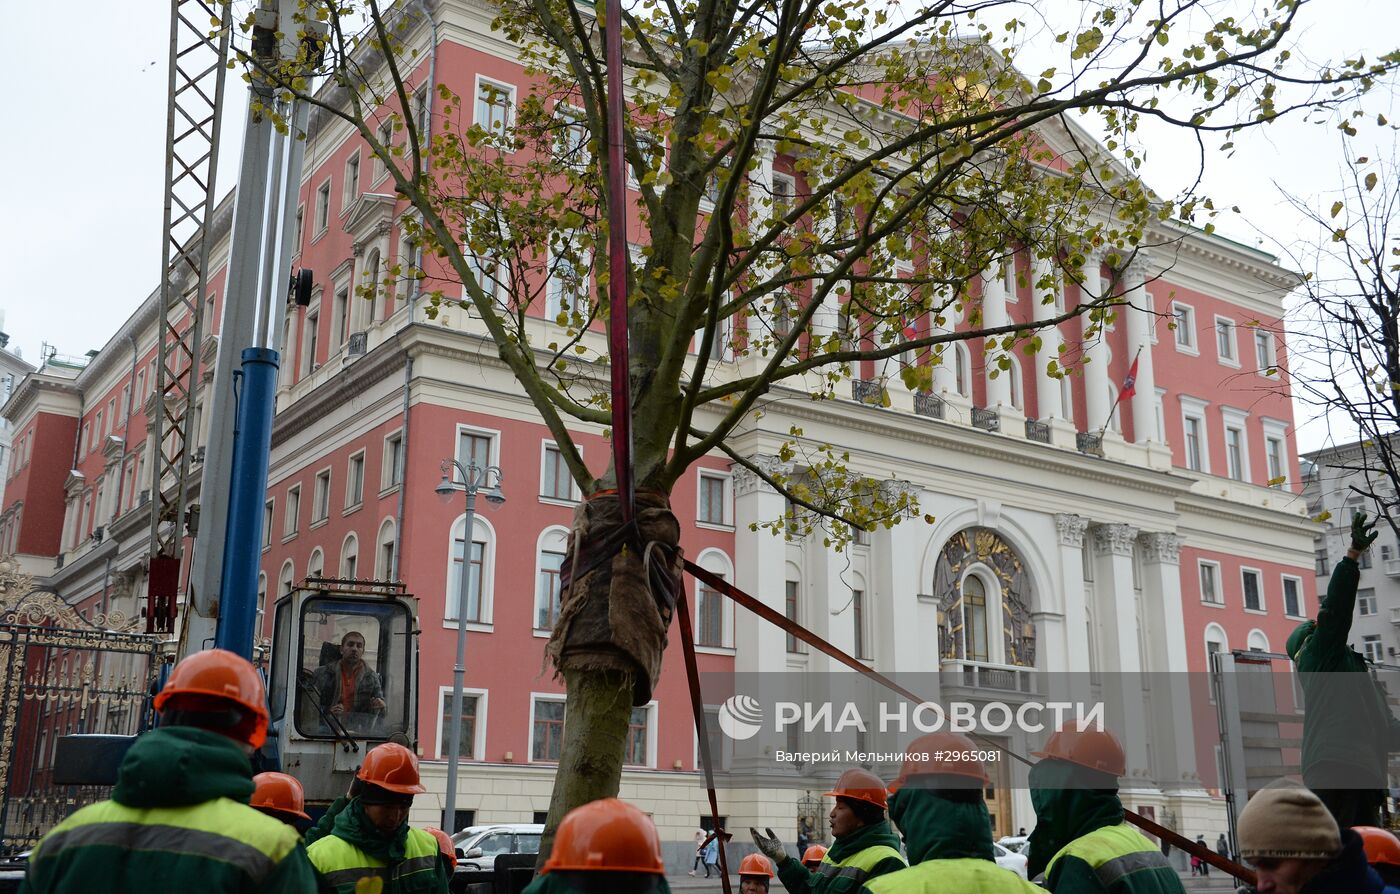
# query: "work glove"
x,y
771,847
1363,533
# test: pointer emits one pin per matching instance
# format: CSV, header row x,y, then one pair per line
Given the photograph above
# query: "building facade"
x,y
1069,533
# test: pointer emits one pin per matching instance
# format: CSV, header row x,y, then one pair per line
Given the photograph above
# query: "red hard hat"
x,y
606,836
862,785
756,864
217,679
280,795
392,767
1089,746
1381,845
445,845
814,853
940,753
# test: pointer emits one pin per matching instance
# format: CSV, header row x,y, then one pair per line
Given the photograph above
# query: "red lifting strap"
x,y
721,585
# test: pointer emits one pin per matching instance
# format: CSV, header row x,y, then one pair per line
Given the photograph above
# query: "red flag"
x,y
1130,383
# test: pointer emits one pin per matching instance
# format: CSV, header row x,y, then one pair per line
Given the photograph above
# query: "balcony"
x,y
1037,431
986,419
868,391
358,344
962,673
1395,615
1090,442
926,404
1392,567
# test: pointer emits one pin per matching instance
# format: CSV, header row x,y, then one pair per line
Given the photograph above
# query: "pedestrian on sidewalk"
x,y
699,851
712,855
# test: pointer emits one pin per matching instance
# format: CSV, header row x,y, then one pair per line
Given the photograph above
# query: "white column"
x,y
759,560
1121,666
993,315
945,374
1097,400
1047,387
1063,607
1140,345
894,552
1174,747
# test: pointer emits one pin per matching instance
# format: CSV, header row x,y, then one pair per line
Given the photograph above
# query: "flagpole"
x,y
1118,398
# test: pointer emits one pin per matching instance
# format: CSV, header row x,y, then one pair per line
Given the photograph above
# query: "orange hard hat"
x,y
861,785
218,679
392,767
1381,845
1087,746
814,853
756,864
947,753
279,794
608,835
445,845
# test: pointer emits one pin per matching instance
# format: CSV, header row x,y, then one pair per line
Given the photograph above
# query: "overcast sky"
x,y
80,232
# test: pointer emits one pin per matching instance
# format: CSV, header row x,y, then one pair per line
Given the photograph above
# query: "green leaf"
x,y
1336,208
1370,181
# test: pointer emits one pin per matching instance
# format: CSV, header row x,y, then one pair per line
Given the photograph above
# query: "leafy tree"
x,y
919,157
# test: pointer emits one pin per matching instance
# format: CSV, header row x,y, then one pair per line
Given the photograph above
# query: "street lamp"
x,y
487,482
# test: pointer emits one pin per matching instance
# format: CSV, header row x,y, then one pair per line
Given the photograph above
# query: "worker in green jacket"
x,y
863,847
1348,731
179,817
371,838
1080,839
937,804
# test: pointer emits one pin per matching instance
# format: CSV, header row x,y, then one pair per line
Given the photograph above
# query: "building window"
x,y
323,206
466,744
1278,468
1195,443
571,140
392,475
385,136
350,557
556,482
495,105
1234,452
1366,602
1293,597
321,497
1225,341
489,274
567,292
309,363
1184,317
962,366
355,481
388,546
553,544
1253,590
1264,352
858,620
291,510
473,448
300,230
547,731
474,583
792,611
1371,647
635,751
316,565
352,180
267,524
1385,553
974,599
1321,565
714,500
1365,561
784,190
285,581
1210,583
709,617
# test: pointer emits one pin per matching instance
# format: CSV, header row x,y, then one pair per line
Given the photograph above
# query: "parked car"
x,y
1014,843
478,846
1008,859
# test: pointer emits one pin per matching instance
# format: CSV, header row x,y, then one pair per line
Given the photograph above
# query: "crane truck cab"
x,y
343,678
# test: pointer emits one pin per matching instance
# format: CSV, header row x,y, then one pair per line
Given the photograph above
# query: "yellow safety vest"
x,y
342,864
1113,852
858,865
962,875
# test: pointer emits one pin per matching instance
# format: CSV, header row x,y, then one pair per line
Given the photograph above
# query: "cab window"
x,y
354,662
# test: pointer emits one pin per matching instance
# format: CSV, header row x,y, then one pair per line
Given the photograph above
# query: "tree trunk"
x,y
597,711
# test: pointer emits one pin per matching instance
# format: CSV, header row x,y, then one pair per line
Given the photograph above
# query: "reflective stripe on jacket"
x,y
1120,859
859,866
217,846
342,865
961,875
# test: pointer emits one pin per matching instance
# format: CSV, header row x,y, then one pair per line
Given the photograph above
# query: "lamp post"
x,y
487,481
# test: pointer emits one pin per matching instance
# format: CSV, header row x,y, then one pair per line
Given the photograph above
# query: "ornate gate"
x,y
61,673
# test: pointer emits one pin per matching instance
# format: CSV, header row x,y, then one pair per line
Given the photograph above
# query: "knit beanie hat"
x,y
1288,821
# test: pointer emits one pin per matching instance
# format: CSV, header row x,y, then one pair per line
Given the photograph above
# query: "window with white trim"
x,y
352,180
1195,443
653,150
1226,348
569,279
350,557
475,446
495,107
385,135
321,497
290,510
1252,583
552,545
792,610
712,614
268,519
1373,650
571,138
472,702
479,584
387,545
355,480
784,194
323,207
311,338
637,746
714,496
316,565
286,580
1210,583
962,369
1184,320
546,728
1234,452
556,481
1265,357
391,469
1366,602
1257,641
1276,451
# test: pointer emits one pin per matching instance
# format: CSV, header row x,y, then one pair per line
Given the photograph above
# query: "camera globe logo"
x,y
741,717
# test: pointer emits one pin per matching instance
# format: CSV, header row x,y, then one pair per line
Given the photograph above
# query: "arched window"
x,y
372,277
974,618
386,544
549,561
860,617
480,581
792,606
262,604
350,557
712,615
1015,373
962,366
1258,641
1066,398
316,567
286,580
1216,641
